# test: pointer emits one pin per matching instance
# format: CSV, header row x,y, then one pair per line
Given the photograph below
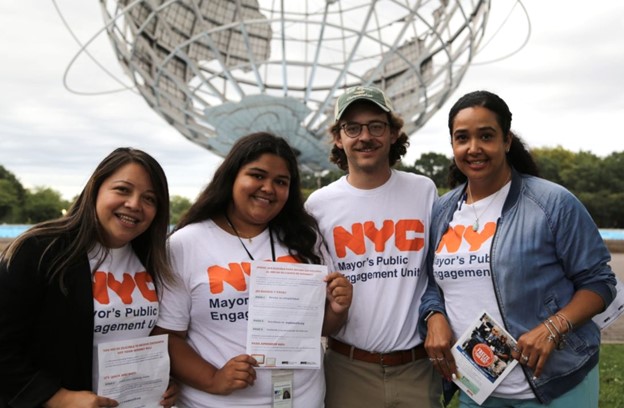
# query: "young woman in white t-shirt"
x,y
251,210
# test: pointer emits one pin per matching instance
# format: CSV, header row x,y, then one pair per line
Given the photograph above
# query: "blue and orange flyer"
x,y
483,357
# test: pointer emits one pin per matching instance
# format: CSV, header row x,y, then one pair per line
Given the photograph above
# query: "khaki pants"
x,y
357,384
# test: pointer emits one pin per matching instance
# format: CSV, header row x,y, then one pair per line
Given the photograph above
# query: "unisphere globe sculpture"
x,y
219,69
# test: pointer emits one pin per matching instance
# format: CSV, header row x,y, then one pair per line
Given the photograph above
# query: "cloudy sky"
x,y
565,88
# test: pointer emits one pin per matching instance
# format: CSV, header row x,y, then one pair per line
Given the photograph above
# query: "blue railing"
x,y
12,230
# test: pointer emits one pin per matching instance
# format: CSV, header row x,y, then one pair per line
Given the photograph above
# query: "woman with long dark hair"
x,y
251,210
527,252
64,283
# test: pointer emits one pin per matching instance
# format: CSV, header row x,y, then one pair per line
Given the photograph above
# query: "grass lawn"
x,y
611,377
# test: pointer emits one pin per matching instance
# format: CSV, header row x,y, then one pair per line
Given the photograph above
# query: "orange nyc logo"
x,y
103,281
454,236
409,235
235,274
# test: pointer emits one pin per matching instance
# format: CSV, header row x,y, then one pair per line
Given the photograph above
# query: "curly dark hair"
x,y
518,155
397,150
294,226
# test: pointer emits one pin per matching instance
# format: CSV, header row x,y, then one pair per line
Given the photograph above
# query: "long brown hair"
x,y
79,229
295,227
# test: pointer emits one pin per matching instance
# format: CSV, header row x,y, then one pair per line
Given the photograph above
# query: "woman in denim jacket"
x,y
527,252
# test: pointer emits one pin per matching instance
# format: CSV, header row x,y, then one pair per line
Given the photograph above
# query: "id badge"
x,y
282,381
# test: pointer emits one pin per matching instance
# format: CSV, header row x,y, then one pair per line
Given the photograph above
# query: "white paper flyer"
x,y
134,372
286,310
483,357
615,309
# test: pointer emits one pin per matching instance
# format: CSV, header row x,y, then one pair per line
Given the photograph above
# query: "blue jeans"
x,y
584,395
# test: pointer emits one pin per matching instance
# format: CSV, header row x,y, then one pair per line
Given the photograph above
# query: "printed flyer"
x,y
286,309
615,309
483,357
134,372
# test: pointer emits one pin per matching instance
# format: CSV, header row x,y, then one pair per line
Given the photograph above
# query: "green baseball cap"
x,y
358,93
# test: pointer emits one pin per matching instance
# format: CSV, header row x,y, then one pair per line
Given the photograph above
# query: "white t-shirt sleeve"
x,y
175,305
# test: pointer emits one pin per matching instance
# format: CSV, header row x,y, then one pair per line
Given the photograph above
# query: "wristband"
x,y
431,313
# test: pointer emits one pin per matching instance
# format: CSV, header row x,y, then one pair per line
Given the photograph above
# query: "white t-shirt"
x,y
210,302
462,270
378,239
125,302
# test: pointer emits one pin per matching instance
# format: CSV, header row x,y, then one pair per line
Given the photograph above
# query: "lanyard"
x,y
243,244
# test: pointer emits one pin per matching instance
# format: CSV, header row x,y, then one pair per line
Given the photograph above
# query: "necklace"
x,y
475,224
243,244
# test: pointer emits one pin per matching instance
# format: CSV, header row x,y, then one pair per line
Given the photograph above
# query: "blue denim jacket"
x,y
545,248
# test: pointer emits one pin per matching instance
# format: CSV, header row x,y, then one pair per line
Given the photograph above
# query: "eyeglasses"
x,y
375,128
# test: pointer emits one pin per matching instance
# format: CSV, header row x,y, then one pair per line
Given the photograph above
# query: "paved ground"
x,y
4,242
613,334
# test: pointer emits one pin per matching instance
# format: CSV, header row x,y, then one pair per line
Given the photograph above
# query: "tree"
x,y
43,204
595,181
584,174
178,206
8,202
613,169
12,197
599,186
312,180
435,166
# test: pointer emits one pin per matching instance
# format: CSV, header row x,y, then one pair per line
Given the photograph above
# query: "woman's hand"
x,y
339,292
534,348
65,398
236,374
438,345
171,395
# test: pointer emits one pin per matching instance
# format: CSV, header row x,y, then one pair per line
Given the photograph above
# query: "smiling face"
x,y
479,148
259,193
125,205
366,154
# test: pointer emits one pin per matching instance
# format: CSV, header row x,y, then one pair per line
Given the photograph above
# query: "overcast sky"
x,y
565,88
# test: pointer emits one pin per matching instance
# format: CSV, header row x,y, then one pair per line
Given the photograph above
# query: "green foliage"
x,y
435,166
584,175
305,192
21,206
12,196
596,182
613,168
178,207
311,181
43,204
611,376
9,204
552,162
10,177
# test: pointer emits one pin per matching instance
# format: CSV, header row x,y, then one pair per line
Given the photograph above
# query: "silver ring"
x,y
432,359
525,358
440,358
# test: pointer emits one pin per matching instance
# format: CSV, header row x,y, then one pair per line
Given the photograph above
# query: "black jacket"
x,y
46,337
